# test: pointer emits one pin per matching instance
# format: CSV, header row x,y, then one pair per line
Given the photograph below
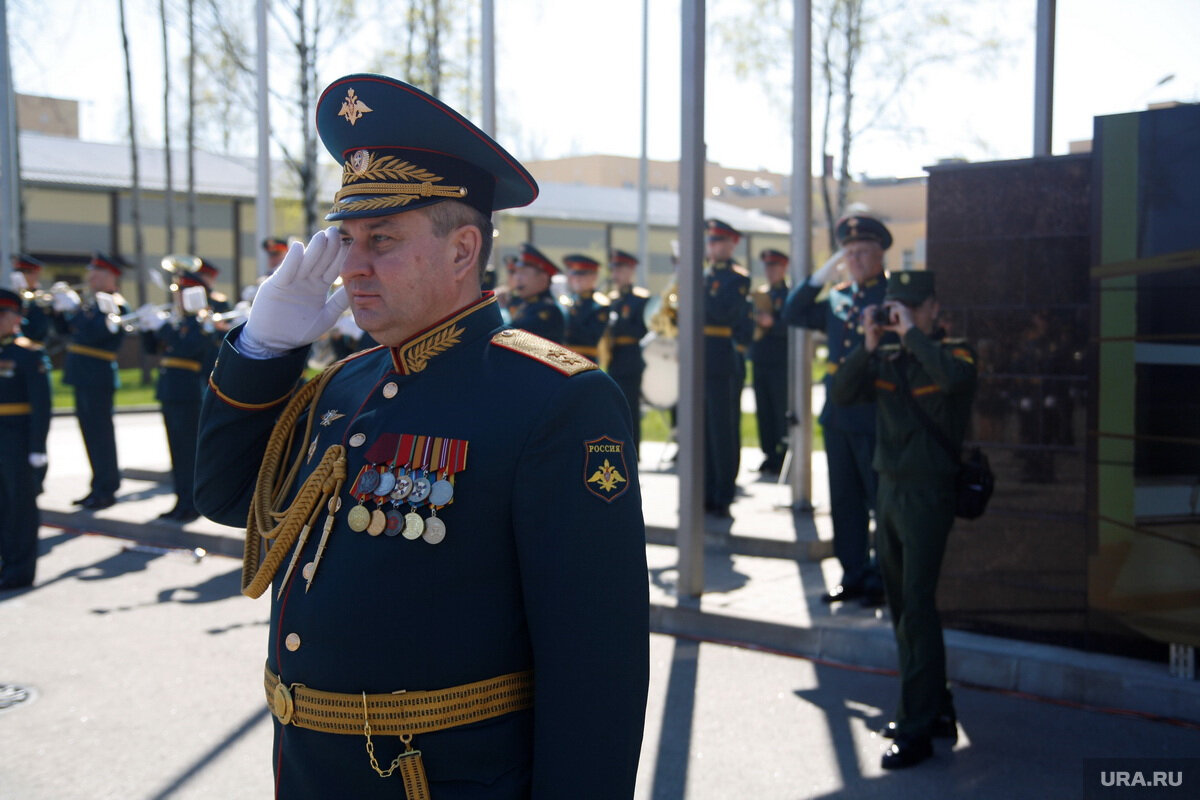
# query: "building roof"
x,y
620,206
61,160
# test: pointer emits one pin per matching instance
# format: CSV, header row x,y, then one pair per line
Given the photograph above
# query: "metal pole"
x,y
264,202
487,37
1043,81
800,426
643,162
10,182
689,539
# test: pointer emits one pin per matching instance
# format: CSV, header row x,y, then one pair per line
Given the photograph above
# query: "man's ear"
x,y
465,243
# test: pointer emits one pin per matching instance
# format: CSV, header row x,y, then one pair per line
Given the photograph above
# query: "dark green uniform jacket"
x,y
541,314
941,378
542,566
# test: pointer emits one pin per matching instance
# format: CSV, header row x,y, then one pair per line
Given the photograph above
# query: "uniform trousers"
x,y
912,524
19,518
770,404
94,409
852,489
182,420
719,456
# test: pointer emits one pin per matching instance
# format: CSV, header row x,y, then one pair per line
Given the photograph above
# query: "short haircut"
x,y
450,215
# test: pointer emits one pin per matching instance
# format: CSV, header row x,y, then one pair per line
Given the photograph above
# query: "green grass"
x,y
130,393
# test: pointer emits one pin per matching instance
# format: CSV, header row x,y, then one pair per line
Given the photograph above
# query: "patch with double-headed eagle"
x,y
553,355
605,473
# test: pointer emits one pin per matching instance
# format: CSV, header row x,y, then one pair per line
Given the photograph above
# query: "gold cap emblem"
x,y
353,108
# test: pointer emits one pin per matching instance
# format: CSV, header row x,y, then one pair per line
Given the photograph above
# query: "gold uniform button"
x,y
357,439
309,570
389,389
292,642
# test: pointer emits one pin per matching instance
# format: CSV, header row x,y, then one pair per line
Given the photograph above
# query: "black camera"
x,y
882,316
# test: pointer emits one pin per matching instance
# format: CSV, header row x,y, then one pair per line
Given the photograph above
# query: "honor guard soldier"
x,y
539,312
626,330
849,430
276,248
91,369
770,356
587,309
726,287
24,423
186,351
206,276
924,381
456,557
26,276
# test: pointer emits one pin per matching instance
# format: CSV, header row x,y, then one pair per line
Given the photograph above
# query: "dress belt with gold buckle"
x,y
402,714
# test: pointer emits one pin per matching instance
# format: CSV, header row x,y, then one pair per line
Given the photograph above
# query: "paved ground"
x,y
144,666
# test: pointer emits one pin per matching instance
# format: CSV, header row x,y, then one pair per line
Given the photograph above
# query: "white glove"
x,y
149,318
37,460
19,284
825,273
293,307
65,299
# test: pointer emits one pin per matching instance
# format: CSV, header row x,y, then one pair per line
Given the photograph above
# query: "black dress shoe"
x,y
906,751
840,594
83,501
185,514
943,728
99,501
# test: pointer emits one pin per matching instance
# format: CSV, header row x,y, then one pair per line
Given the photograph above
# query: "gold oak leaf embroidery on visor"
x,y
604,468
398,181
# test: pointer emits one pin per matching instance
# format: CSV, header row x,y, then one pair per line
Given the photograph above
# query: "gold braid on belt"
x,y
322,487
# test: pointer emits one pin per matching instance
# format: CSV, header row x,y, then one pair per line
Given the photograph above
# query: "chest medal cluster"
x,y
406,471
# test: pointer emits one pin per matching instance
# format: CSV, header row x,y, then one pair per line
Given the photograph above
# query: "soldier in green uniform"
x,y
916,490
24,423
538,312
456,558
587,309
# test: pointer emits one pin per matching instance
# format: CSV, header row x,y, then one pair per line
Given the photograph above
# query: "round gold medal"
x,y
358,518
414,526
378,522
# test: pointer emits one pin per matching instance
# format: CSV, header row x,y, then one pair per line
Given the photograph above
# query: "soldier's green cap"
x,y
910,287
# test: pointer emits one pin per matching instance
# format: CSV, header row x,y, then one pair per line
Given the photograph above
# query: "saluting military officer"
x,y
726,287
849,430
91,369
587,309
457,556
187,353
538,312
769,352
916,503
24,423
626,330
27,275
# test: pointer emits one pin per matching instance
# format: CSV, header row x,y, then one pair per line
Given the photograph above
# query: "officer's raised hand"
x,y
294,307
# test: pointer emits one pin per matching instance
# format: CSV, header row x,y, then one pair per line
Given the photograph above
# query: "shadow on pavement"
x,y
213,754
671,766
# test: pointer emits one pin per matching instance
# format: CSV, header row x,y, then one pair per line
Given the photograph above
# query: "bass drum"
x,y
660,381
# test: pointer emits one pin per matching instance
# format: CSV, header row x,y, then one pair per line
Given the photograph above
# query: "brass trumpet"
x,y
44,298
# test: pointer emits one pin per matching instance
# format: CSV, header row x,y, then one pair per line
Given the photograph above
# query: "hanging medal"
x,y
414,524
358,518
452,459
401,484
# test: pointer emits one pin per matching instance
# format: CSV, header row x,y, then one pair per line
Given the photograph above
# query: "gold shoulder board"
x,y
552,355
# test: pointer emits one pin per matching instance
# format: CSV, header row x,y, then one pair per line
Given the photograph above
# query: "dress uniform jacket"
x,y
91,368
36,327
627,327
916,499
24,423
542,567
587,319
542,315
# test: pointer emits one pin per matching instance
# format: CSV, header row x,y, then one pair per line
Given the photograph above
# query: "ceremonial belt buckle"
x,y
283,705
